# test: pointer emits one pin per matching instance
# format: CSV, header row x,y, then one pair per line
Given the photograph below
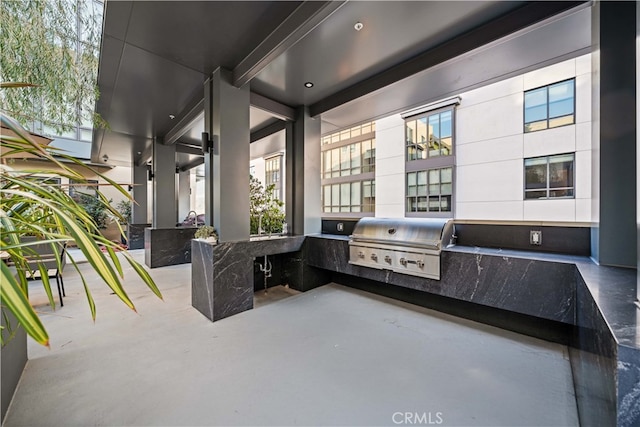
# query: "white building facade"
x,y
518,150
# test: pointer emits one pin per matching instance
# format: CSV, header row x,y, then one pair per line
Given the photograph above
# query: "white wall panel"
x,y
389,166
583,174
389,137
389,211
491,150
550,141
493,91
499,181
583,210
498,211
550,210
492,119
583,136
547,75
390,191
583,98
583,64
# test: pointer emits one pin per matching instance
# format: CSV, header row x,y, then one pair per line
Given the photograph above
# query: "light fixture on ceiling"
x,y
358,26
105,158
171,116
308,84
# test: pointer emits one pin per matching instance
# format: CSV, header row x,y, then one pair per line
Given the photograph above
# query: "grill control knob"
x,y
403,261
374,257
387,259
361,254
420,263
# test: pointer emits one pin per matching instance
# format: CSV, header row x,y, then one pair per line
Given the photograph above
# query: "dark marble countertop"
x,y
612,288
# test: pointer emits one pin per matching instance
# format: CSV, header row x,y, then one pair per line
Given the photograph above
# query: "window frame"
x,y
547,86
343,139
278,183
426,114
547,188
431,163
427,213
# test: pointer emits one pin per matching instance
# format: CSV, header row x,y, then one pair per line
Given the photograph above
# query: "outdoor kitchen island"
x,y
560,298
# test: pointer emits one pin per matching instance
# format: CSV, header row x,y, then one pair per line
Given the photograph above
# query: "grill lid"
x,y
433,233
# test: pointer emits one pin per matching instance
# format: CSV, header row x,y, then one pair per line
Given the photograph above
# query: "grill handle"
x,y
430,244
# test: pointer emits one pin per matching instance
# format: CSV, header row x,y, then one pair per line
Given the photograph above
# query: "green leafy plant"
x,y
29,208
95,208
206,231
39,44
124,209
264,209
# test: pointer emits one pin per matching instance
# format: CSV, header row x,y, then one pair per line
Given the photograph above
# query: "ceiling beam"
x,y
275,108
188,149
185,120
525,16
146,155
267,130
297,25
192,164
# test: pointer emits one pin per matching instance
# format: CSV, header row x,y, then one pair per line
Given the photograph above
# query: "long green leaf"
x,y
16,301
144,275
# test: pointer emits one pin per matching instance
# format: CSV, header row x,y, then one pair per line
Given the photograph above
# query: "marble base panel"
x,y
222,280
167,246
222,275
135,235
536,288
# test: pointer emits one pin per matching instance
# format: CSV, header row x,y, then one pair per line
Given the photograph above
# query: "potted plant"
x,y
207,233
124,209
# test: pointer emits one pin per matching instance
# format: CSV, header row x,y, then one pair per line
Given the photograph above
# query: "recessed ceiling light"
x,y
171,116
358,26
308,84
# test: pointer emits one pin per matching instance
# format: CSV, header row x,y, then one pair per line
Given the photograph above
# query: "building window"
x,y
346,134
272,167
549,106
348,171
352,159
430,190
549,177
357,196
429,135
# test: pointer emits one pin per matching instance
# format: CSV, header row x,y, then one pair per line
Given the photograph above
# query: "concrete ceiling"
x,y
156,55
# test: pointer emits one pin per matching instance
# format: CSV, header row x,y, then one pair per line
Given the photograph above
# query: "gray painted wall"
x,y
13,358
617,240
164,185
139,194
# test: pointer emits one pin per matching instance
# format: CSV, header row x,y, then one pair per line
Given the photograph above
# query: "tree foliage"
x,y
264,208
54,45
30,208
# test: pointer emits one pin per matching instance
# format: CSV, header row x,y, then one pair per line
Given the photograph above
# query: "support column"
x,y
164,185
227,164
184,194
139,194
614,74
303,174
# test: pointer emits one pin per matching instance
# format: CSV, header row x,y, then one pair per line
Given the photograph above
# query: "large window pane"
x,y
535,173
561,171
434,135
549,177
345,197
549,106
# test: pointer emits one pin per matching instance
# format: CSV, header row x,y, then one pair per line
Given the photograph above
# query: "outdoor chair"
x,y
43,254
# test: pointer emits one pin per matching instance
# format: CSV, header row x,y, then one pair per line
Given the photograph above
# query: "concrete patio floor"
x,y
331,356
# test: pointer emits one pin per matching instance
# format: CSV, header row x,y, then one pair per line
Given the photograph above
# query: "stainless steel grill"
x,y
404,245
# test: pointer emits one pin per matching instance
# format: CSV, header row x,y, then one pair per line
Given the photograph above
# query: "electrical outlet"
x,y
535,237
